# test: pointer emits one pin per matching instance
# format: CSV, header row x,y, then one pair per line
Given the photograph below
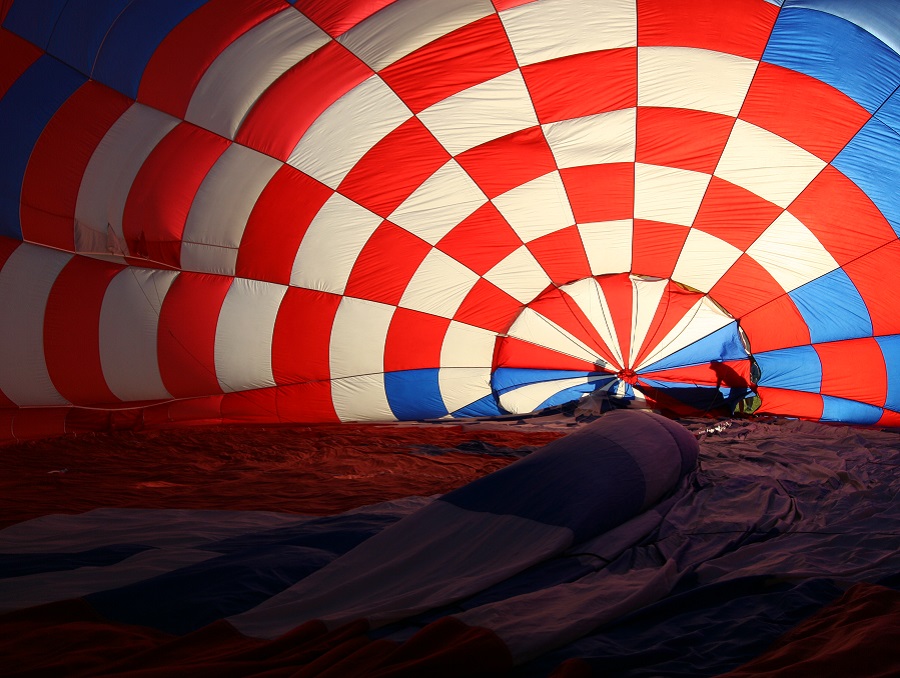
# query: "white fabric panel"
x,y
481,113
432,557
219,212
404,26
519,275
248,66
536,208
129,323
47,587
766,164
530,397
442,201
791,253
347,130
704,260
536,329
208,258
462,386
608,245
439,285
98,244
331,245
361,398
701,321
357,337
112,169
589,297
243,349
668,194
549,29
699,79
25,283
646,295
594,139
467,346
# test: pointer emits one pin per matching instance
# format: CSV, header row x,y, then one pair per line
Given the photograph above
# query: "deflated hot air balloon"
x,y
314,211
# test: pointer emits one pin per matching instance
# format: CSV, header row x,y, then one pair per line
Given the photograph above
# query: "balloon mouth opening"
x,y
625,339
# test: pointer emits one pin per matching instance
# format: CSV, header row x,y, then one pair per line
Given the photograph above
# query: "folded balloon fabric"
x,y
609,551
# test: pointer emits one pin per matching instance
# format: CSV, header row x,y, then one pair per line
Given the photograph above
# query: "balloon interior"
x,y
435,213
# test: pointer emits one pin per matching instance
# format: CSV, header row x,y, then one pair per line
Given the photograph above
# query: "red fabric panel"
x,y
729,373
806,111
854,369
678,137
489,307
187,334
858,634
841,216
620,298
739,27
778,324
7,247
33,423
481,240
561,309
889,418
386,264
306,402
190,411
302,336
277,224
790,403
182,58
600,192
56,167
561,254
5,6
7,415
394,168
674,306
293,102
16,55
734,214
517,353
873,276
160,197
656,247
500,5
414,341
468,56
745,287
583,84
256,406
505,163
72,331
339,16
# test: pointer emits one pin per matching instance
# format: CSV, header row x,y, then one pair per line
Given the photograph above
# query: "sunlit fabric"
x,y
314,211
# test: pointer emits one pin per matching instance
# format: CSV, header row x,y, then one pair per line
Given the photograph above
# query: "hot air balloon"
x,y
274,211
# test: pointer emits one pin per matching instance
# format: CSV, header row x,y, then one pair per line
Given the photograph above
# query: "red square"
x,y
488,307
482,240
678,137
414,340
656,247
745,287
843,363
600,192
561,254
734,214
301,339
505,163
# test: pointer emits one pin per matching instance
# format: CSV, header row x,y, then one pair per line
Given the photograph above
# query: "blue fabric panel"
x,y
567,395
191,597
485,407
889,113
24,112
723,344
870,161
797,368
585,482
414,394
833,308
878,17
80,31
507,378
21,564
133,39
890,347
839,409
34,19
836,52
